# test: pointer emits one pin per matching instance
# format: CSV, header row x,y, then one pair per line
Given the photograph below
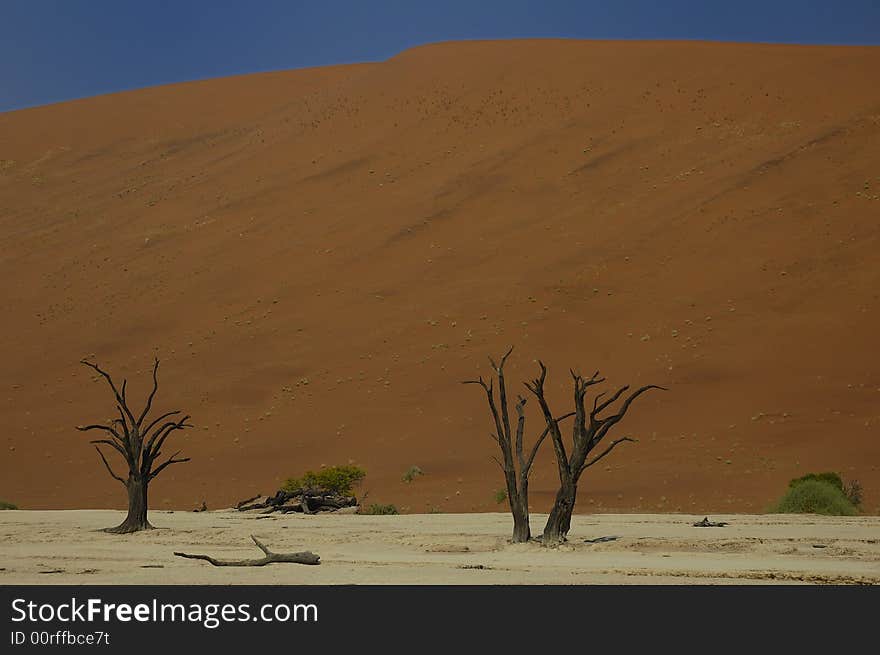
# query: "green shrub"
x,y
412,473
500,496
5,505
852,490
815,497
380,510
830,477
335,479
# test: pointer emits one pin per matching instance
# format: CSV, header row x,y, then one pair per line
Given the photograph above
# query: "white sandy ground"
x,y
67,547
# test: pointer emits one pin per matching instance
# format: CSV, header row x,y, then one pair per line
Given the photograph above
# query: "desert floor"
x,y
67,547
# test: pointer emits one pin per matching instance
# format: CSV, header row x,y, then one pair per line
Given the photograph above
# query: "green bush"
x,y
815,497
380,510
829,476
500,496
852,490
5,505
335,479
412,473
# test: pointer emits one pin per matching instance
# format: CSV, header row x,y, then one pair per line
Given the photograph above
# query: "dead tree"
x,y
514,463
588,432
304,557
140,444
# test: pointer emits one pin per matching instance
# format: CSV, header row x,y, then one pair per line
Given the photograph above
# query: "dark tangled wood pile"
x,y
307,501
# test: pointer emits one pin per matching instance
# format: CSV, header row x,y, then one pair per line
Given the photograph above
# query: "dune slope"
x,y
319,257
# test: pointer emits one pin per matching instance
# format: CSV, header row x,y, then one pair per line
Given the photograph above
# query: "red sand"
x,y
701,216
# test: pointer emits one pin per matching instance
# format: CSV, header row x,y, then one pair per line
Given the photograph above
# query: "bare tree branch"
x,y
502,396
540,440
537,388
171,460
105,428
113,445
119,397
636,394
607,423
611,400
158,438
157,420
606,451
152,394
498,367
520,428
109,470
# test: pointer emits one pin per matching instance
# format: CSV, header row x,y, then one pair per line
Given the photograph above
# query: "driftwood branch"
x,y
305,557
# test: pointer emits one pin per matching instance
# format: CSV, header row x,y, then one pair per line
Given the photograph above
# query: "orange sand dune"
x,y
319,257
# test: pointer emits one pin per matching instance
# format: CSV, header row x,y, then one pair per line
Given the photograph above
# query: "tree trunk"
x,y
137,507
521,530
519,508
559,521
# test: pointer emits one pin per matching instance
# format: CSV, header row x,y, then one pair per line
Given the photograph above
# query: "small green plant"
x,y
334,479
500,496
814,496
377,509
434,510
5,505
412,473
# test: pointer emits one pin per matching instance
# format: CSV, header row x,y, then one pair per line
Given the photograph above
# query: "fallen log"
x,y
307,501
706,523
305,557
291,505
245,502
260,502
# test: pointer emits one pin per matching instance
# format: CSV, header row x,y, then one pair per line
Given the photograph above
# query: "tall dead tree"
x,y
514,463
140,444
588,432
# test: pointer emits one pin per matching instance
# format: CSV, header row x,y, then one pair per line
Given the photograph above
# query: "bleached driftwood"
x,y
305,557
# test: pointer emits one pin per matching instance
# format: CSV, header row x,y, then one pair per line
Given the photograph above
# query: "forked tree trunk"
x,y
559,522
587,433
516,462
137,507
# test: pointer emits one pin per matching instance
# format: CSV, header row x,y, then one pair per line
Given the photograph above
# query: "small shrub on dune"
x,y
335,479
412,473
5,505
380,510
815,497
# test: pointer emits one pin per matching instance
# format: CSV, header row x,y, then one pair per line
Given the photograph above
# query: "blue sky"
x,y
52,50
